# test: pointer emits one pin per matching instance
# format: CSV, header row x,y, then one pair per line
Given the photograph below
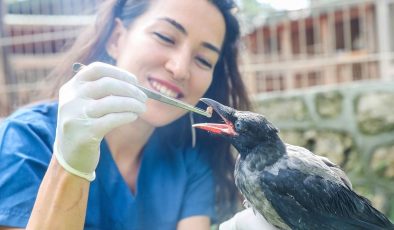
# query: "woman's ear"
x,y
115,41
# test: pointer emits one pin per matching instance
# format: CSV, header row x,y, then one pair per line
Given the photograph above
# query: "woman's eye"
x,y
204,62
164,38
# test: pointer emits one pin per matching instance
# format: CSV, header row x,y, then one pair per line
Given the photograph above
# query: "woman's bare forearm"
x,y
61,200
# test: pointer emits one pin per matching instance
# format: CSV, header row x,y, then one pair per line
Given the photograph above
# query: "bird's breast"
x,y
247,180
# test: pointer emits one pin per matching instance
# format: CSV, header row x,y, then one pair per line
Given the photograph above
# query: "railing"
x,y
33,34
326,44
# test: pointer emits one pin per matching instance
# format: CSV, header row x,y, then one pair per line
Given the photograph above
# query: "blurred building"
x,y
33,36
332,42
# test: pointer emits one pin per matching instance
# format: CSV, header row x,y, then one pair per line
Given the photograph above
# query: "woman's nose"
x,y
179,66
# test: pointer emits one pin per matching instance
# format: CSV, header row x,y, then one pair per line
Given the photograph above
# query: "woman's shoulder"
x,y
34,120
44,111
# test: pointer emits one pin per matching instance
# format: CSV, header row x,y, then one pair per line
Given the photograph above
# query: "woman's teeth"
x,y
164,90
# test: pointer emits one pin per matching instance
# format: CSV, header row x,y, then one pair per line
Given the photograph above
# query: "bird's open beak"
x,y
225,113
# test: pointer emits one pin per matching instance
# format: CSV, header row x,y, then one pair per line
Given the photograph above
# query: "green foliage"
x,y
252,7
252,10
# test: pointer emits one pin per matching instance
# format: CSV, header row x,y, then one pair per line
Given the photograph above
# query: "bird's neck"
x,y
268,152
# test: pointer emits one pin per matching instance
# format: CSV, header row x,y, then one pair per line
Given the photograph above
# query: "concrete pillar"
x,y
302,31
289,79
331,43
3,93
2,72
285,40
260,44
382,16
346,28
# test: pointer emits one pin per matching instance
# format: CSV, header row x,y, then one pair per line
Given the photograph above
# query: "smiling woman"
x,y
99,154
182,64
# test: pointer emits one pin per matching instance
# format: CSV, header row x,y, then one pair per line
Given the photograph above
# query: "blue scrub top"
x,y
173,182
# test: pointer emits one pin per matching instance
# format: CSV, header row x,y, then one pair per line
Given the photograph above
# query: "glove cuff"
x,y
88,176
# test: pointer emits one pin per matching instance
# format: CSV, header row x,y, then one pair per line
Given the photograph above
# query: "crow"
x,y
290,186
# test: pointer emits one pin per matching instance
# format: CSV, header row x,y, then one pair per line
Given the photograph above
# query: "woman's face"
x,y
172,48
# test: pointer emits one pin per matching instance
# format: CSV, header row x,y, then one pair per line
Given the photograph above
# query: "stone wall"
x,y
353,125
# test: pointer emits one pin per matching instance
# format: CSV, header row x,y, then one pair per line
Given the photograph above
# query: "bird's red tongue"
x,y
216,128
226,128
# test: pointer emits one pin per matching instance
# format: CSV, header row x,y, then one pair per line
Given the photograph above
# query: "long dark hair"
x,y
227,86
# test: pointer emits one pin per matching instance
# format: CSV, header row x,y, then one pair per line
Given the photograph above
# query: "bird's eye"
x,y
238,125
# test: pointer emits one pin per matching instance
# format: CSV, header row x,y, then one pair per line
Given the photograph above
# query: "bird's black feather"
x,y
311,202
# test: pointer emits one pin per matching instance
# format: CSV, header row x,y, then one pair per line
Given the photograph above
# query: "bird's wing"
x,y
337,170
311,161
307,201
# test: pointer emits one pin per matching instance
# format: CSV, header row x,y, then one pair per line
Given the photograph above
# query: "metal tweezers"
x,y
160,97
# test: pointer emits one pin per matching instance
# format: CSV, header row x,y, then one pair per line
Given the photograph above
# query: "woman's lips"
x,y
165,88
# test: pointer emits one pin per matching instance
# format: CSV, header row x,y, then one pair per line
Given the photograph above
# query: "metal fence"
x,y
33,36
326,44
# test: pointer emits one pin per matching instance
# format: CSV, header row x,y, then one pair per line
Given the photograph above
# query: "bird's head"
x,y
244,129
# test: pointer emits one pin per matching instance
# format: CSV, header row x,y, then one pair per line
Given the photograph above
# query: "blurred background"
x,y
322,70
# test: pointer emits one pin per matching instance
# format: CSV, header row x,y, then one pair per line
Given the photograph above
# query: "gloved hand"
x,y
99,98
246,220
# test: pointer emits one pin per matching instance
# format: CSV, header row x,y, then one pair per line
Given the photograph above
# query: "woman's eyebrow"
x,y
211,47
182,29
176,24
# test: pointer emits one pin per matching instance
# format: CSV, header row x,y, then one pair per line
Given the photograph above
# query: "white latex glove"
x,y
246,220
99,98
